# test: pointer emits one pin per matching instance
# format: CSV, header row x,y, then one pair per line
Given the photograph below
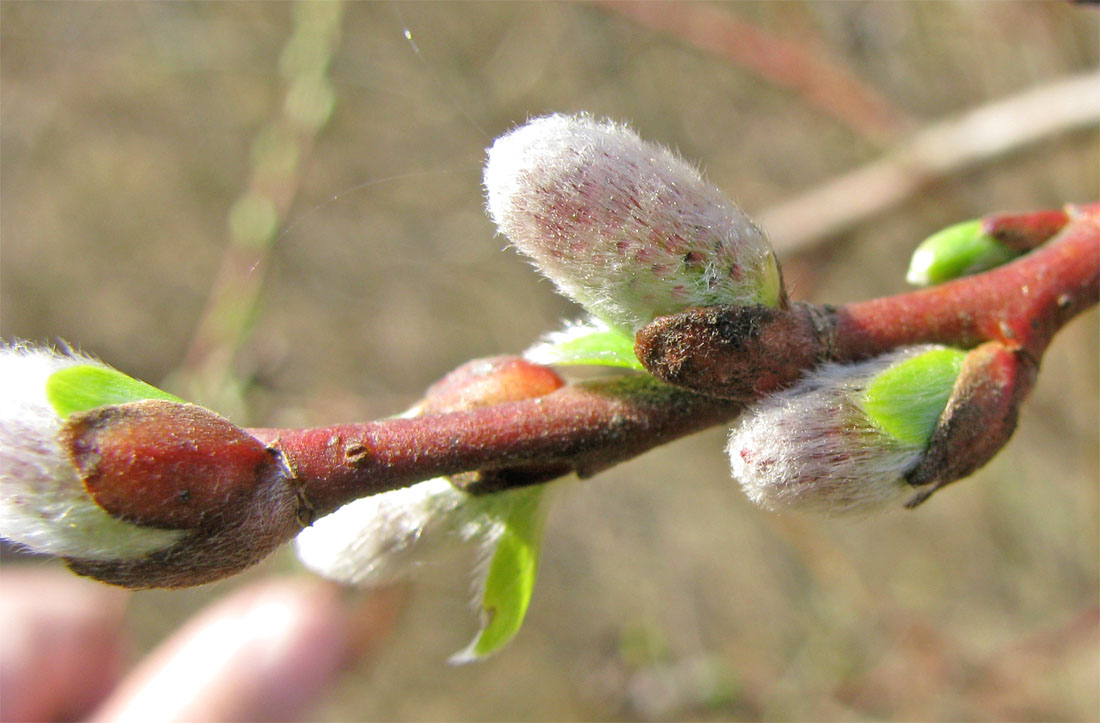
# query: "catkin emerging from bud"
x,y
626,228
44,504
129,484
842,439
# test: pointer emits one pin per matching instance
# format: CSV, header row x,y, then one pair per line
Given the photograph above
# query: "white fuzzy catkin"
x,y
379,539
813,448
624,227
43,503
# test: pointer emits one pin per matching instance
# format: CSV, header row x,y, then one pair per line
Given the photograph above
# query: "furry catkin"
x,y
624,227
817,447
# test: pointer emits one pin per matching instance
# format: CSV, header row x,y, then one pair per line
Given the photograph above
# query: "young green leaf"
x,y
510,578
82,387
907,399
591,343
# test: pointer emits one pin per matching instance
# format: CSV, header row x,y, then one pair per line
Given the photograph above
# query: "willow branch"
x,y
587,427
201,499
582,428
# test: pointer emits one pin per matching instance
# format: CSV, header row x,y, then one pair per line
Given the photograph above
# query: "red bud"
x,y
494,380
165,464
979,419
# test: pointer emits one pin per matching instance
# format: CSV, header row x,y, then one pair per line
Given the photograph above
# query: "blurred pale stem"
x,y
279,151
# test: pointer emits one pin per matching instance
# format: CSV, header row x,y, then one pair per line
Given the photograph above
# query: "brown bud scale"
x,y
164,464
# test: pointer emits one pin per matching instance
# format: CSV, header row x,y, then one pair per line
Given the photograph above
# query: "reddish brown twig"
x,y
514,425
814,77
583,427
1021,304
743,352
590,426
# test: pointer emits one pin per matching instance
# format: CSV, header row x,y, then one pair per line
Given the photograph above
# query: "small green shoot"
x,y
87,386
956,251
906,400
600,347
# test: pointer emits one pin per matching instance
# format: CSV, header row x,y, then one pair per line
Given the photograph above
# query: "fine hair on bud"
x,y
380,539
387,537
626,228
127,483
842,439
44,505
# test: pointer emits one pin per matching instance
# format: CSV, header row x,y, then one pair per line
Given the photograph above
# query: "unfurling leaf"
x,y
82,387
510,576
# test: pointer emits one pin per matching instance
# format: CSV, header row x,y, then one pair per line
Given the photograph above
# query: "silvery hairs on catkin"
x,y
814,448
624,227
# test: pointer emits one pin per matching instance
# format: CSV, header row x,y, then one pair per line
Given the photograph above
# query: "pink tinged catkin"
x,y
624,227
815,448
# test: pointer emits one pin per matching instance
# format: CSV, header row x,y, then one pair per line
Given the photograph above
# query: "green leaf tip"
x,y
907,399
600,347
87,386
956,251
510,579
771,284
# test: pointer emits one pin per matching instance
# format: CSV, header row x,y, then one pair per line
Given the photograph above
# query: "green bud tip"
x,y
956,251
907,399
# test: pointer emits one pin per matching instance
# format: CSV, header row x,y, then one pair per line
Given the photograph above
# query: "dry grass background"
x,y
126,131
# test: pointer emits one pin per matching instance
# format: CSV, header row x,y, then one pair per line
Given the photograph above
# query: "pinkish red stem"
x,y
583,427
1021,304
587,427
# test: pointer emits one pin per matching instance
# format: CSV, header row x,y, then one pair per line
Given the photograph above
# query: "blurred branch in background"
x,y
940,150
948,147
820,81
278,154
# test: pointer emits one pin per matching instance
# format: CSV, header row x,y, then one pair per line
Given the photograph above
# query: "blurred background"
x,y
282,217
